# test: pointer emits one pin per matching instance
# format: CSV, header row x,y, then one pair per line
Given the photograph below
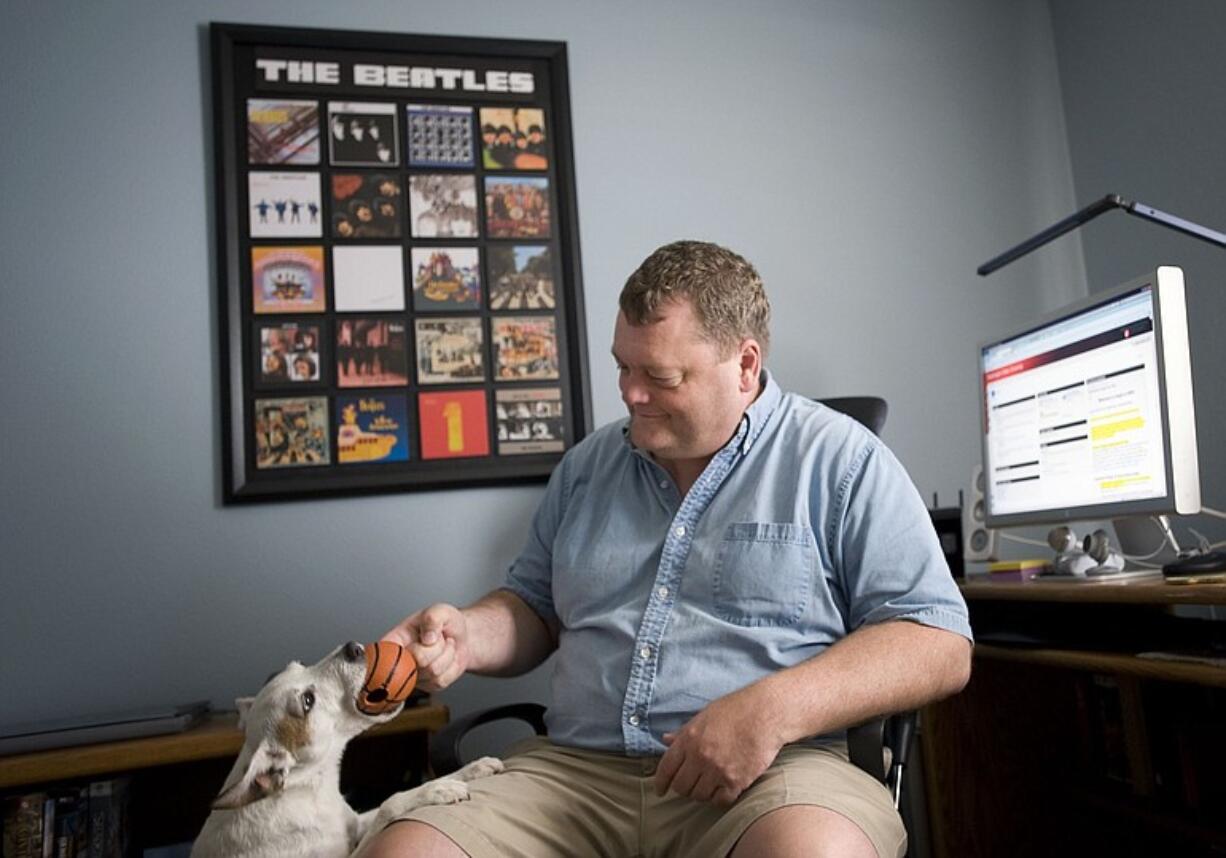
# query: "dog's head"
x,y
299,722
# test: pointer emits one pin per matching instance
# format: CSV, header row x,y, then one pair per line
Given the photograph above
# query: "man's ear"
x,y
263,775
750,354
243,705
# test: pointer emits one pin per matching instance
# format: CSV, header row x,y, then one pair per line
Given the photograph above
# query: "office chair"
x,y
867,744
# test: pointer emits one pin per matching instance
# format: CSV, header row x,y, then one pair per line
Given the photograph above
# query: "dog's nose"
x,y
354,651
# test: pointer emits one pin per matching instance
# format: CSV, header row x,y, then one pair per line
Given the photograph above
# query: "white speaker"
x,y
980,540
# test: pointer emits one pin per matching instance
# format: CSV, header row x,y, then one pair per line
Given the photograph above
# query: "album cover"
x,y
517,206
372,428
371,353
529,420
453,424
365,205
440,136
525,347
446,278
443,205
368,278
521,277
282,131
287,280
284,205
288,354
449,350
291,432
363,134
513,138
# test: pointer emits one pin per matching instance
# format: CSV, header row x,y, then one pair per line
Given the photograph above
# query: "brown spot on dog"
x,y
293,733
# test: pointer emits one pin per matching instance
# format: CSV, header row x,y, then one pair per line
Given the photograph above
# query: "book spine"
x,y
49,827
99,814
23,825
70,809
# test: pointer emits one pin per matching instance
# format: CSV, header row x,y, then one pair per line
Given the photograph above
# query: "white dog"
x,y
282,798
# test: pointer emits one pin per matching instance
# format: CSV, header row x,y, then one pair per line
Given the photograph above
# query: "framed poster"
x,y
400,292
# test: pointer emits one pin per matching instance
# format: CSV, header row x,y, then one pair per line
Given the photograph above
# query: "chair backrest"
x,y
869,410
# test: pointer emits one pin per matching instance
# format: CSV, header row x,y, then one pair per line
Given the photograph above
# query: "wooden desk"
x,y
175,777
1074,749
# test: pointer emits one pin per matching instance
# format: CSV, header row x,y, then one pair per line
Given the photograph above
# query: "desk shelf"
x,y
1117,664
1077,711
1099,592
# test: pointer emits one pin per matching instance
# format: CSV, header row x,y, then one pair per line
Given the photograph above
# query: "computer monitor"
x,y
1089,414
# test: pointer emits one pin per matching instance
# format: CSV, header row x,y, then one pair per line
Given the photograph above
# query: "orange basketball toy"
x,y
391,674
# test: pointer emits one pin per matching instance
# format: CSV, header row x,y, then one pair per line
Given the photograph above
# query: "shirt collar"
x,y
753,421
759,412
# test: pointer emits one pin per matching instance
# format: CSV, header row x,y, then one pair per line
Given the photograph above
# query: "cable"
x,y
1024,540
1216,513
1168,538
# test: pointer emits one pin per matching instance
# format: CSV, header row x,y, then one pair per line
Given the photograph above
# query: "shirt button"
x,y
680,531
662,592
634,720
645,652
663,484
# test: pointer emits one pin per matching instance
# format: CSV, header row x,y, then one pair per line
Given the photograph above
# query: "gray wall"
x,y
865,155
1142,91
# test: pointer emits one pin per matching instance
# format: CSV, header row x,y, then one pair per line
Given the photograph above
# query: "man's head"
x,y
724,289
689,343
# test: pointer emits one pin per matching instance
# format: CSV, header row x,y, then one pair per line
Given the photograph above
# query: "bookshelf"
x,y
1072,743
175,777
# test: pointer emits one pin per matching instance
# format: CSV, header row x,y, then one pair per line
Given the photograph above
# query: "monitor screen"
x,y
1089,414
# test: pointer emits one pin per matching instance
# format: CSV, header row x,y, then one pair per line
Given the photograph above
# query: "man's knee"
x,y
411,840
803,830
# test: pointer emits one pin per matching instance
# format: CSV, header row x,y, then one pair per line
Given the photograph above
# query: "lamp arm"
x,y
1106,204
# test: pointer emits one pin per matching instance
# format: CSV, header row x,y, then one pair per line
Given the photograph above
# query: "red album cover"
x,y
454,424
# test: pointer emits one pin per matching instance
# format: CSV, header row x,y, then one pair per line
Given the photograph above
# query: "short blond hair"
x,y
724,289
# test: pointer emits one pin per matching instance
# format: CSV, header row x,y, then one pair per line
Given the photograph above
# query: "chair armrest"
x,y
445,744
865,747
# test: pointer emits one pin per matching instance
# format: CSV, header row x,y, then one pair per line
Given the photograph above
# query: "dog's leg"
x,y
481,768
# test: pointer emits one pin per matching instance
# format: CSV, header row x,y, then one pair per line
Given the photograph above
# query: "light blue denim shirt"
x,y
803,528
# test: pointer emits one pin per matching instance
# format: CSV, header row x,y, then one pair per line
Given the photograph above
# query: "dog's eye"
x,y
308,700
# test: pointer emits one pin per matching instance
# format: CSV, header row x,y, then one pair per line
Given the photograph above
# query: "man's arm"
x,y
878,669
499,635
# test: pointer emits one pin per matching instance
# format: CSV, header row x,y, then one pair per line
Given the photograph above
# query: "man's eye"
x,y
308,700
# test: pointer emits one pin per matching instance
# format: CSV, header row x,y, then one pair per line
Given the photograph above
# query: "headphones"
x,y
1093,552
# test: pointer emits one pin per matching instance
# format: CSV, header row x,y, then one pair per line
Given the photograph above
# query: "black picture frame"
x,y
280,252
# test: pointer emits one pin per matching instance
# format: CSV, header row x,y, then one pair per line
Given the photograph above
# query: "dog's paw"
x,y
481,768
443,791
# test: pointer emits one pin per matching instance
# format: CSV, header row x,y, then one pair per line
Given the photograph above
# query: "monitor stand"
x,y
1101,573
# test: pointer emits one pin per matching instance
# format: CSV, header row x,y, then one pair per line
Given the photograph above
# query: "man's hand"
x,y
721,750
437,638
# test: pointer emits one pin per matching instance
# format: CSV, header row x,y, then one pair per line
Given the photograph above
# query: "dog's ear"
x,y
243,705
263,775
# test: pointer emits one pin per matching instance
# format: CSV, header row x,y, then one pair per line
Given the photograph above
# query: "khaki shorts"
x,y
559,802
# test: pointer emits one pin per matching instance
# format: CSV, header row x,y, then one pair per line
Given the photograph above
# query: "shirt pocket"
x,y
764,573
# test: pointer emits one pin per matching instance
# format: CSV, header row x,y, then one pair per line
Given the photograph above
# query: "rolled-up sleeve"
x,y
531,575
891,563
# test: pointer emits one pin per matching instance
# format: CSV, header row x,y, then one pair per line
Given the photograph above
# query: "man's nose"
x,y
634,392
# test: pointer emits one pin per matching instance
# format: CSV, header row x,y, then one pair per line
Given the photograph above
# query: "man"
x,y
728,573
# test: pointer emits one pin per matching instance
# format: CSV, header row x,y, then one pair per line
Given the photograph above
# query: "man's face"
x,y
685,398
